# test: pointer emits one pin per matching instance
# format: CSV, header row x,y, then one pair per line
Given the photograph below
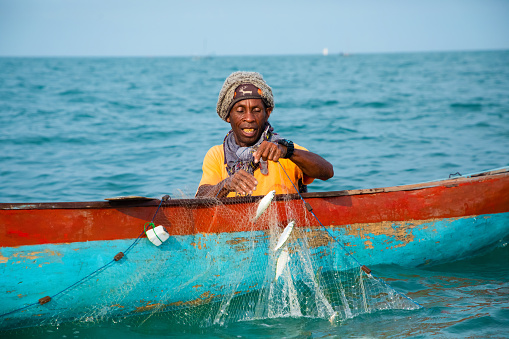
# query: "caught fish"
x,y
285,235
282,260
264,204
333,317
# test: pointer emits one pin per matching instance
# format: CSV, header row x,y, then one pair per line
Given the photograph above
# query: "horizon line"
x,y
213,55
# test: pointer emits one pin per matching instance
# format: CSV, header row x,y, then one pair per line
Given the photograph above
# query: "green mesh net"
x,y
215,278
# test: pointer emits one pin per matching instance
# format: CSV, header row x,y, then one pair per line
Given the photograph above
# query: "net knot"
x,y
44,300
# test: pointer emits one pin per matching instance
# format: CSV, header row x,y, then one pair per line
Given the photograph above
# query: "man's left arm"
x,y
310,163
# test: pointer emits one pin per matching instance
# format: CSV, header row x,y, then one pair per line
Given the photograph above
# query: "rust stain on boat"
x,y
243,243
198,245
36,255
148,307
368,244
399,245
237,241
321,254
400,232
3,259
204,298
315,237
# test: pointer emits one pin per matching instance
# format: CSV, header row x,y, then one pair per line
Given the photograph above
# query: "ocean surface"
x,y
86,129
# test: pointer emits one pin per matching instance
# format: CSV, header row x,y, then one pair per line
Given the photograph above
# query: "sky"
x,y
263,27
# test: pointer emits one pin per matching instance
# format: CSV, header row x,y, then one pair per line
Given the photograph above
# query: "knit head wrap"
x,y
226,98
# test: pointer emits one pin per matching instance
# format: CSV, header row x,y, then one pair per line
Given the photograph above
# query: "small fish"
x,y
285,235
282,260
264,204
333,317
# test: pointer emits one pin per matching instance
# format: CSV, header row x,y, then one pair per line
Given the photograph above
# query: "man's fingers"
x,y
260,152
256,156
274,153
243,182
267,151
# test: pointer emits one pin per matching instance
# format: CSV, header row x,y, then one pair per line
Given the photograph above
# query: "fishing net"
x,y
227,271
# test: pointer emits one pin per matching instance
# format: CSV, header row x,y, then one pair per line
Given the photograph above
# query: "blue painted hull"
x,y
196,269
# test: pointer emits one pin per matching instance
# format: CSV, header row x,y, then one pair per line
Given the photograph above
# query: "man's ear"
x,y
268,111
228,119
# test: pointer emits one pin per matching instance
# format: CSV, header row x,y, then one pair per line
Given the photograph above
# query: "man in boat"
x,y
253,159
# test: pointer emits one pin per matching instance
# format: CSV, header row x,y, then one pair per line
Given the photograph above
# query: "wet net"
x,y
226,268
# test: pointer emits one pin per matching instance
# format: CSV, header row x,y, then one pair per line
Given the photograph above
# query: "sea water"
x,y
80,129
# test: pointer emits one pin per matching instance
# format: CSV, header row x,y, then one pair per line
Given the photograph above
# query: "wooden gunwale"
x,y
200,202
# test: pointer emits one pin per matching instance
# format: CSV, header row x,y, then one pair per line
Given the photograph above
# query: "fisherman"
x,y
253,159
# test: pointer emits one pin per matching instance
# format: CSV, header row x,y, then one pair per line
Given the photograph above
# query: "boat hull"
x,y
48,247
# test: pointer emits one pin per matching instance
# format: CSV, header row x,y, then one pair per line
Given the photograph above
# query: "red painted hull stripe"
x,y
476,196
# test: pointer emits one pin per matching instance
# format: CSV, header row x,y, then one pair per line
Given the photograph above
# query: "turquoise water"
x,y
79,129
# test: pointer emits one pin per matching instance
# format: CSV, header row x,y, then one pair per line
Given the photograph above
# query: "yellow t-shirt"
x,y
214,171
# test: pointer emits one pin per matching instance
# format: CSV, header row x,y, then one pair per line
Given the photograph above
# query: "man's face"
x,y
247,118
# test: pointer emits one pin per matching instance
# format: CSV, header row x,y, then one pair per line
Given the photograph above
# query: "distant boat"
x,y
46,247
205,55
325,51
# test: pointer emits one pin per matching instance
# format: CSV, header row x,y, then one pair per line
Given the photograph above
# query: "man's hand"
x,y
241,182
269,151
311,164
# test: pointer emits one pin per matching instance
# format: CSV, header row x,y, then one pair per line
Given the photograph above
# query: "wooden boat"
x,y
48,247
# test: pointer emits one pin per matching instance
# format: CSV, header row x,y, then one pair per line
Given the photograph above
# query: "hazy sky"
x,y
263,27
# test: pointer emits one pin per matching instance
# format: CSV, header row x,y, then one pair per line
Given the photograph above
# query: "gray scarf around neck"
x,y
237,158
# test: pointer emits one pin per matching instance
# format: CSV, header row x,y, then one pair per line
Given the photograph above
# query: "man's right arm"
x,y
211,191
241,182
